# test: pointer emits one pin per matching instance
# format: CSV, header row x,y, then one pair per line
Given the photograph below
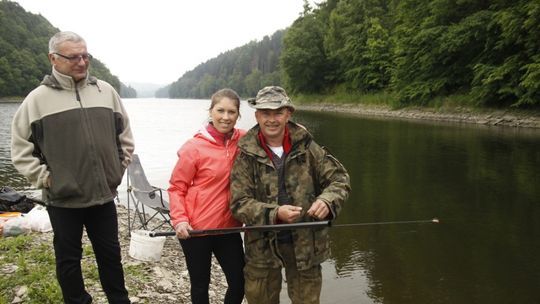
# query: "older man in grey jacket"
x,y
71,138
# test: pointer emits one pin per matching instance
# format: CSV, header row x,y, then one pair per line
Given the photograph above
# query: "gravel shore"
x,y
488,117
165,281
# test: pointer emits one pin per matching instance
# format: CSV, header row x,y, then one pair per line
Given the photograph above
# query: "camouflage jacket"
x,y
310,173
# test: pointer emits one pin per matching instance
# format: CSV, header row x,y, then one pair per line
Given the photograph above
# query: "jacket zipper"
x,y
88,131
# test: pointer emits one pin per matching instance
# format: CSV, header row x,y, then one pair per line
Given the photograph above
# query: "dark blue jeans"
x,y
229,252
101,225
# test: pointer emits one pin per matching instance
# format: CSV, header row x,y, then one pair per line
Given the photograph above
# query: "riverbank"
x,y
488,117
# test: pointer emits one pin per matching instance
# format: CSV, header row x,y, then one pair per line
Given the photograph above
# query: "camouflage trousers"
x,y
263,285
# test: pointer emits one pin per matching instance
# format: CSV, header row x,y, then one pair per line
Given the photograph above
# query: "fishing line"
x,y
434,220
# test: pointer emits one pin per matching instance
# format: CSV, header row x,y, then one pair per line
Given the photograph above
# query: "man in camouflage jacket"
x,y
283,176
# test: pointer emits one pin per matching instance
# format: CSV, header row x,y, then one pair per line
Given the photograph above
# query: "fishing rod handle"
x,y
173,233
161,233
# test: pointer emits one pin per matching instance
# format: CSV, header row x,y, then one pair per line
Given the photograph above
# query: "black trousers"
x,y
101,225
230,254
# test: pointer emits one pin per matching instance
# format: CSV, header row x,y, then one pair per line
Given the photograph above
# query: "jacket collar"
x,y
203,132
286,142
61,81
298,134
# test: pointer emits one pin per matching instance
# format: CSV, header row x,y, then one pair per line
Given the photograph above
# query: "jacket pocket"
x,y
63,186
114,172
320,241
257,247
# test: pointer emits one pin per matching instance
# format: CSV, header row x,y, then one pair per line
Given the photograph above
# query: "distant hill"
x,y
245,69
127,91
163,92
24,39
144,89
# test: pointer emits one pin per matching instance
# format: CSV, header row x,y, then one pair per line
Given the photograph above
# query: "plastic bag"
x,y
16,226
38,219
4,217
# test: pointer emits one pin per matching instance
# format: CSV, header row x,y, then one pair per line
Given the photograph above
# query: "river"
x,y
482,183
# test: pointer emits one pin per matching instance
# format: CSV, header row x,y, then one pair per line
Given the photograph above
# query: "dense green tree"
x,y
6,78
471,46
530,79
436,45
23,52
209,83
253,81
509,71
303,58
358,40
237,81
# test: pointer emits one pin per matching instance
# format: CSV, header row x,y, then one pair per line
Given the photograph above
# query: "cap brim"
x,y
271,107
265,106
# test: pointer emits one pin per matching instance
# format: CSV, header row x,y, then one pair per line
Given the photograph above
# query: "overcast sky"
x,y
158,41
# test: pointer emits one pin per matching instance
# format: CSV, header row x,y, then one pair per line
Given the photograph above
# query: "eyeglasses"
x,y
77,58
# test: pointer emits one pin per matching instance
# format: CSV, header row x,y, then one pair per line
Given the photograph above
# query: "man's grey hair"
x,y
61,37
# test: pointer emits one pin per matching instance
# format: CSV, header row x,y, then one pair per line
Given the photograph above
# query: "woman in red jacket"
x,y
199,199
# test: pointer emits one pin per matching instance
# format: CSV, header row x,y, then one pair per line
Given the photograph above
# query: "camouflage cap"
x,y
271,97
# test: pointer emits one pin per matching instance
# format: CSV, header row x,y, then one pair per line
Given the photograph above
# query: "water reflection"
x,y
482,183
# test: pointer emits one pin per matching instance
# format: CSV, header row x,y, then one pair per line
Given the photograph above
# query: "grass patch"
x,y
136,271
26,260
27,263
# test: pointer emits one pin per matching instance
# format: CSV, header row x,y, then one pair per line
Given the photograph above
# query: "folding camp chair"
x,y
144,197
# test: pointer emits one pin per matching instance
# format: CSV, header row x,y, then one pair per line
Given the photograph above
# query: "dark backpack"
x,y
13,201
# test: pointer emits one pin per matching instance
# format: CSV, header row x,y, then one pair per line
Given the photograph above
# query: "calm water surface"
x,y
481,182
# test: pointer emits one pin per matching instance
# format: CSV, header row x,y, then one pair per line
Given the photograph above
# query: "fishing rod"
x,y
280,227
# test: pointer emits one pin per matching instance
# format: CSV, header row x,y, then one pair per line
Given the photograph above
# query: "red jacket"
x,y
199,185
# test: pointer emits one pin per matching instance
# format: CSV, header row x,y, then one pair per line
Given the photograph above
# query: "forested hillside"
x,y
486,52
24,39
246,69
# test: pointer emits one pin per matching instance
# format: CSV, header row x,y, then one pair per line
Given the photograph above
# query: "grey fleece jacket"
x,y
76,133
